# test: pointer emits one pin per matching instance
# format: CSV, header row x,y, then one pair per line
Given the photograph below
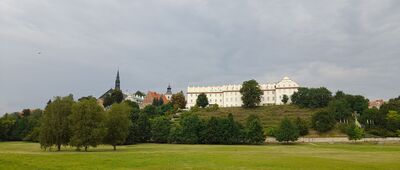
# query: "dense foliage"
x,y
312,97
323,121
202,100
251,94
287,131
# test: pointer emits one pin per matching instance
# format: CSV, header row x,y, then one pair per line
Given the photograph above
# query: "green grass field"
x,y
20,155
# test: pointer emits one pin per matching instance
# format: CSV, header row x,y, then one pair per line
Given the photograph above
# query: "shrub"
x,y
287,131
302,126
270,131
354,132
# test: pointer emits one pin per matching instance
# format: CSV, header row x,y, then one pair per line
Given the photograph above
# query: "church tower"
x,y
169,93
117,82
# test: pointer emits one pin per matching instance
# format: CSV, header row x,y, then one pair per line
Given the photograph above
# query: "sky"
x,y
53,48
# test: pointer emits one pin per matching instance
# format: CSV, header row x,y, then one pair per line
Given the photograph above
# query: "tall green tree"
x,y
6,124
251,94
87,124
140,131
116,96
393,121
117,124
254,130
191,127
202,100
160,129
287,131
312,97
55,127
178,100
341,109
323,121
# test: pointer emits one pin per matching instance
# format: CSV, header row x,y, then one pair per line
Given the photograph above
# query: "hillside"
x,y
269,115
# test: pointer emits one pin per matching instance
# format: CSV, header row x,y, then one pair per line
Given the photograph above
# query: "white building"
x,y
133,97
229,95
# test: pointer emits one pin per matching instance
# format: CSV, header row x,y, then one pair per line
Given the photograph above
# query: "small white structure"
x,y
229,95
133,97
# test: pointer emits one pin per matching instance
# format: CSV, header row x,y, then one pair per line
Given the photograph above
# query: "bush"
x,y
354,132
271,131
287,131
212,107
254,130
302,126
323,121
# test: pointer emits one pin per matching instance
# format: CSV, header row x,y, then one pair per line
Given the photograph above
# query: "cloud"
x,y
347,45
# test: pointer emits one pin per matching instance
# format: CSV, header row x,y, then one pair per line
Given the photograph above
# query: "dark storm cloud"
x,y
347,45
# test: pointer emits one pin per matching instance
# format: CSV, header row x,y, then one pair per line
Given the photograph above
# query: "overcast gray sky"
x,y
352,45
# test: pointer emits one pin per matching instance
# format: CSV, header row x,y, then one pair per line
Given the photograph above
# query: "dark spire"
x,y
169,91
117,82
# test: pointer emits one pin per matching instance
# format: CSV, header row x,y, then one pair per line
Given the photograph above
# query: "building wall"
x,y
229,95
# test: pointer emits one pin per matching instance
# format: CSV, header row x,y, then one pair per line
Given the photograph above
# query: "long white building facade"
x,y
229,95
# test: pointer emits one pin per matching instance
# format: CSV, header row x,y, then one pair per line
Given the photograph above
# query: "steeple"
x,y
169,91
117,82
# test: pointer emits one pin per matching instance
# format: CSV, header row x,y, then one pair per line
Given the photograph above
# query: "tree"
x,y
116,96
312,97
150,110
354,132
341,109
132,104
160,129
302,126
285,99
287,131
323,121
87,124
251,93
191,126
202,100
140,131
33,126
393,121
371,117
178,100
54,129
86,98
254,130
117,124
6,124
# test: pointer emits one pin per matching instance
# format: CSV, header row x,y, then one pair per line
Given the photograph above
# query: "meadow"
x,y
22,155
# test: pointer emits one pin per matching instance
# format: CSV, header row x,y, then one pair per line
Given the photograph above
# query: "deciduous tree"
x,y
202,100
251,94
117,124
87,124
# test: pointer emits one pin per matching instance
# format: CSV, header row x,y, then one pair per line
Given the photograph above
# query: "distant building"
x,y
376,103
127,95
229,95
148,100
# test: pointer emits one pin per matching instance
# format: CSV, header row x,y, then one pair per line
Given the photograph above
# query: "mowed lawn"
x,y
20,155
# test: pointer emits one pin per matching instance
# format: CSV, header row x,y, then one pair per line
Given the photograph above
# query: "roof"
x,y
153,95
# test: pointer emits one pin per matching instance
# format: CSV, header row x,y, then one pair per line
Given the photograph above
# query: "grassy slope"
x,y
18,155
269,115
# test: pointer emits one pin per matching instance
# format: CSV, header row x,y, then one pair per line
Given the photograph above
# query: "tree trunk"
x,y
115,147
58,147
85,148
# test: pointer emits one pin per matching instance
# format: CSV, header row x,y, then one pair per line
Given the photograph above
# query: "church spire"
x,y
117,81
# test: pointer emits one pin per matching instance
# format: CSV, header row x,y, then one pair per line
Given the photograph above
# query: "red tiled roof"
x,y
148,100
376,103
